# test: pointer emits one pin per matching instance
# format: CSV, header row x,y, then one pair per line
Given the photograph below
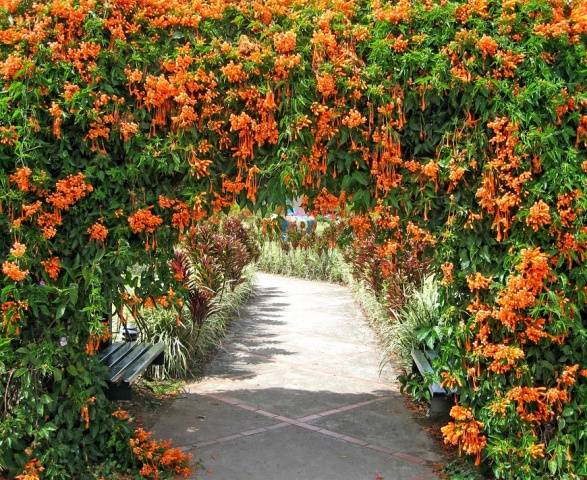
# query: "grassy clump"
x,y
327,264
187,345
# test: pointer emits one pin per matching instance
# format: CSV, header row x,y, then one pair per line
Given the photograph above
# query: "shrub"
x,y
212,264
417,323
300,252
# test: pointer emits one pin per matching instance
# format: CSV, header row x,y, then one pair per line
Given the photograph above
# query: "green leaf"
x,y
552,466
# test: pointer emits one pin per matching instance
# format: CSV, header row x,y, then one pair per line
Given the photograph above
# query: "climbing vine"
x,y
459,127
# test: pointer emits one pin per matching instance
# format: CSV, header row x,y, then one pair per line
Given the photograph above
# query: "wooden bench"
x,y
125,362
440,398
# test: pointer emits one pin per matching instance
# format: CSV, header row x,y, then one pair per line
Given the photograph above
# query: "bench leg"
x,y
119,391
439,407
160,360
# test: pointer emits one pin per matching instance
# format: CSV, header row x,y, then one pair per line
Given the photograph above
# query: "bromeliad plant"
x,y
123,123
210,263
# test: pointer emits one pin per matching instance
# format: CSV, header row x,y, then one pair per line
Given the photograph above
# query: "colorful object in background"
x,y
297,219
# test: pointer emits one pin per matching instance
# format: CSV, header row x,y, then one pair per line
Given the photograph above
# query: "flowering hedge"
x,y
459,126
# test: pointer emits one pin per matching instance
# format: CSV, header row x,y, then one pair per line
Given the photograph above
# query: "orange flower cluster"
x,y
52,266
509,61
504,357
48,221
22,178
360,225
568,377
158,456
121,414
478,282
234,72
18,250
8,135
499,193
465,11
12,67
419,235
539,215
244,125
326,85
199,166
447,273
284,64
85,411
128,130
450,381
384,218
538,404
431,170
12,313
28,210
354,119
69,90
12,271
565,207
96,339
487,45
522,290
181,216
399,44
97,232
389,248
32,471
10,5
163,301
563,21
327,203
499,406
396,13
57,115
285,42
144,221
465,432
69,191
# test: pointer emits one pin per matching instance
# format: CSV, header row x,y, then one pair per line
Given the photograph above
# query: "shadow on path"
x,y
296,394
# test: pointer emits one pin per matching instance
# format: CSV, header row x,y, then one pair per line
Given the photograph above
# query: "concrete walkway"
x,y
296,394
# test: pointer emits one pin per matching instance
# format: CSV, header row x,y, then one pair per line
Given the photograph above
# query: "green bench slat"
x,y
109,350
421,361
118,369
431,354
125,362
139,365
118,355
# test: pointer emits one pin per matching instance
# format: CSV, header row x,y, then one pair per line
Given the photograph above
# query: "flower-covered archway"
x,y
459,126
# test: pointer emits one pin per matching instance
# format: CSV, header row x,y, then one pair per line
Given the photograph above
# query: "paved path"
x,y
296,394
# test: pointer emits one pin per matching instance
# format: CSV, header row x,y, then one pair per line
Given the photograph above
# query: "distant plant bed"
x,y
302,252
301,262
